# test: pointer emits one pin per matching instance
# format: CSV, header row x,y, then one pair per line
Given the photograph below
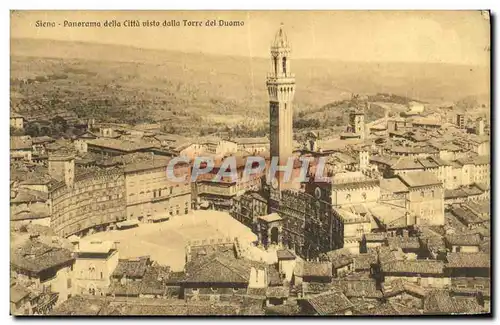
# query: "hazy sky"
x,y
411,36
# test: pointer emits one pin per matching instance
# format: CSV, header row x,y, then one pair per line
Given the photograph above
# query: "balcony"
x,y
281,78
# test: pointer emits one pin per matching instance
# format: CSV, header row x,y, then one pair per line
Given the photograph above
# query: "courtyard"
x,y
165,242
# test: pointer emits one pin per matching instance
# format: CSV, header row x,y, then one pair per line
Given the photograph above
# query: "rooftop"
x,y
99,247
43,139
261,140
392,185
220,268
364,261
390,216
280,39
349,217
21,143
271,217
339,257
157,162
131,268
120,145
330,303
463,240
313,269
24,195
36,257
414,267
358,287
404,163
468,260
440,302
418,179
18,292
285,254
404,242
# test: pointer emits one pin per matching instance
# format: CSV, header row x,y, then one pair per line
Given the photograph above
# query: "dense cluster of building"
x,y
399,225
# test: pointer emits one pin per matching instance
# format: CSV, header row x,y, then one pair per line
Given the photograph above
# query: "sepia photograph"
x,y
250,163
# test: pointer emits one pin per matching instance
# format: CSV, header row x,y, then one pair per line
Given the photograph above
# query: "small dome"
x,y
280,40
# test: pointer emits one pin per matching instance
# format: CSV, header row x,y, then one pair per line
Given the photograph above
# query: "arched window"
x,y
363,195
284,65
348,197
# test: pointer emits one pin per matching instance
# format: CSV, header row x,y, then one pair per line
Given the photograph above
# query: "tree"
x,y
33,130
59,125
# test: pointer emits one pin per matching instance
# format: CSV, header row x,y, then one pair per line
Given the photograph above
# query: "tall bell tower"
x,y
281,89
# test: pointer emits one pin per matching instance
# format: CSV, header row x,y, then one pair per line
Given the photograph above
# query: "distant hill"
x,y
124,82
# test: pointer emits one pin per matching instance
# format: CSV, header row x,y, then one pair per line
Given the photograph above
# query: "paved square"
x,y
165,242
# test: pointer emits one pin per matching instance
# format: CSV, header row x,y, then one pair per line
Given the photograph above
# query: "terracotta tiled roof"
x,y
24,195
79,306
440,302
364,261
339,257
414,267
468,260
284,310
219,268
129,288
393,185
154,280
43,139
146,164
277,292
36,257
407,163
358,287
131,268
330,303
313,269
417,179
404,242
399,286
250,140
122,145
463,240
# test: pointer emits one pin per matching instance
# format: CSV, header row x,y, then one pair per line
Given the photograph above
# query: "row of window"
x,y
89,217
85,192
88,205
348,196
197,291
